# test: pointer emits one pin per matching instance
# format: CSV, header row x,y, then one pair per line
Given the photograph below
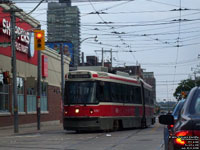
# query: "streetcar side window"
x,y
146,97
125,93
107,92
103,91
132,94
138,99
129,95
119,92
113,92
100,91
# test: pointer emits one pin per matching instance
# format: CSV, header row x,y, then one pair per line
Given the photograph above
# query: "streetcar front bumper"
x,y
81,123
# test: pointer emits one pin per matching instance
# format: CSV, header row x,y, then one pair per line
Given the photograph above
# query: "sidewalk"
x,y
31,128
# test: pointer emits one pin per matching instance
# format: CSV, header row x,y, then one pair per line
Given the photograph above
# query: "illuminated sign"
x,y
44,66
23,38
72,76
31,45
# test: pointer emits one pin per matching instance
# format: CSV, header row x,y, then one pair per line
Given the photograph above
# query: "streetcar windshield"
x,y
80,93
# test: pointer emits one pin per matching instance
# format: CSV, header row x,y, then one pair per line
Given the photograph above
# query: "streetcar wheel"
x,y
78,131
143,123
116,125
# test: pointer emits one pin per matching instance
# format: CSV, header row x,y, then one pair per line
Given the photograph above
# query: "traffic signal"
x,y
6,77
183,94
39,40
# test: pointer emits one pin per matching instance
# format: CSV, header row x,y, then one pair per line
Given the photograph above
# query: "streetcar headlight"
x,y
66,112
77,110
91,111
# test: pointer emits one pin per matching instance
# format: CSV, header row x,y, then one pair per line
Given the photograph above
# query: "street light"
x,y
95,39
82,55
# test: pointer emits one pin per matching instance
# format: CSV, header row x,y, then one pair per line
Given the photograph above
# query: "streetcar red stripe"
x,y
106,110
126,80
115,78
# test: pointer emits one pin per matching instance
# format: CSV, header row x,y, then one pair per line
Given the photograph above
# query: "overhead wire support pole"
x,y
14,70
102,60
104,51
38,89
111,57
14,66
39,45
62,73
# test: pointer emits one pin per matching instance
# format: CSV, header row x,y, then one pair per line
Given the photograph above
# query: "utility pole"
x,y
39,45
12,12
102,60
104,51
111,57
167,96
38,89
82,57
14,70
62,73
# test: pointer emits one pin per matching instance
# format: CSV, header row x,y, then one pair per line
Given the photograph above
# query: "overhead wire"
x,y
178,42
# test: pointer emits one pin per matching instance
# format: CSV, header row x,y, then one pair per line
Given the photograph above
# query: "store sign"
x,y
23,38
31,51
44,66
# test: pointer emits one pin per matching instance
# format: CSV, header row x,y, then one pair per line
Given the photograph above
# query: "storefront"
x,y
27,73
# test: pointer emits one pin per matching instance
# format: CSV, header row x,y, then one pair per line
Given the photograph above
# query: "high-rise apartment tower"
x,y
63,24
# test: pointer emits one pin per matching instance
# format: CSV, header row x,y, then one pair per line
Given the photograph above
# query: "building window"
x,y
4,96
20,94
31,100
43,99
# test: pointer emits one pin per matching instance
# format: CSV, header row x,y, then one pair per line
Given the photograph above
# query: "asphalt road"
x,y
57,139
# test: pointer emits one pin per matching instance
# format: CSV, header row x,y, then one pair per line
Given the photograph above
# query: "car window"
x,y
197,105
177,109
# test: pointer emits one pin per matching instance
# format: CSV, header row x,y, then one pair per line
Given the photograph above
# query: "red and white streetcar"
x,y
104,101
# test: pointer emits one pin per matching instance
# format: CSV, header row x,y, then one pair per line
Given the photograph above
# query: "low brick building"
x,y
27,73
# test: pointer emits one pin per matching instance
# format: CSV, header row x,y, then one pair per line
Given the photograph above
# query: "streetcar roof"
x,y
108,76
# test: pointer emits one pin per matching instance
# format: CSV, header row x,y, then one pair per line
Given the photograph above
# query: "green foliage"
x,y
185,86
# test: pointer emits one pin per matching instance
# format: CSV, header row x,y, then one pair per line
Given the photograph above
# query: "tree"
x,y
184,87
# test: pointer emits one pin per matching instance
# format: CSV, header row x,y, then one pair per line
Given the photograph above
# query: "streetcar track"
x,y
122,140
25,147
86,140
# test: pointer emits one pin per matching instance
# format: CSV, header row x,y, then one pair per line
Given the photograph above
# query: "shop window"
x,y
43,99
4,96
20,94
31,100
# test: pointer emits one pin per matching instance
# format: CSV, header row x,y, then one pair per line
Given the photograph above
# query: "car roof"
x,y
178,107
188,108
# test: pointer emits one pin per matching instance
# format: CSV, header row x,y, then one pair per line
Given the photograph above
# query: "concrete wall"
x,y
54,67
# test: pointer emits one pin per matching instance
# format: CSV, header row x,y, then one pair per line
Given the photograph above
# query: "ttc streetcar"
x,y
105,101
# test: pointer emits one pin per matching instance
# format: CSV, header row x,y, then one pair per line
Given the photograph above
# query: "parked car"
x,y
168,128
186,131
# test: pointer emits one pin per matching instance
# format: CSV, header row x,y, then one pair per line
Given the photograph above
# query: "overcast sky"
x,y
151,33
